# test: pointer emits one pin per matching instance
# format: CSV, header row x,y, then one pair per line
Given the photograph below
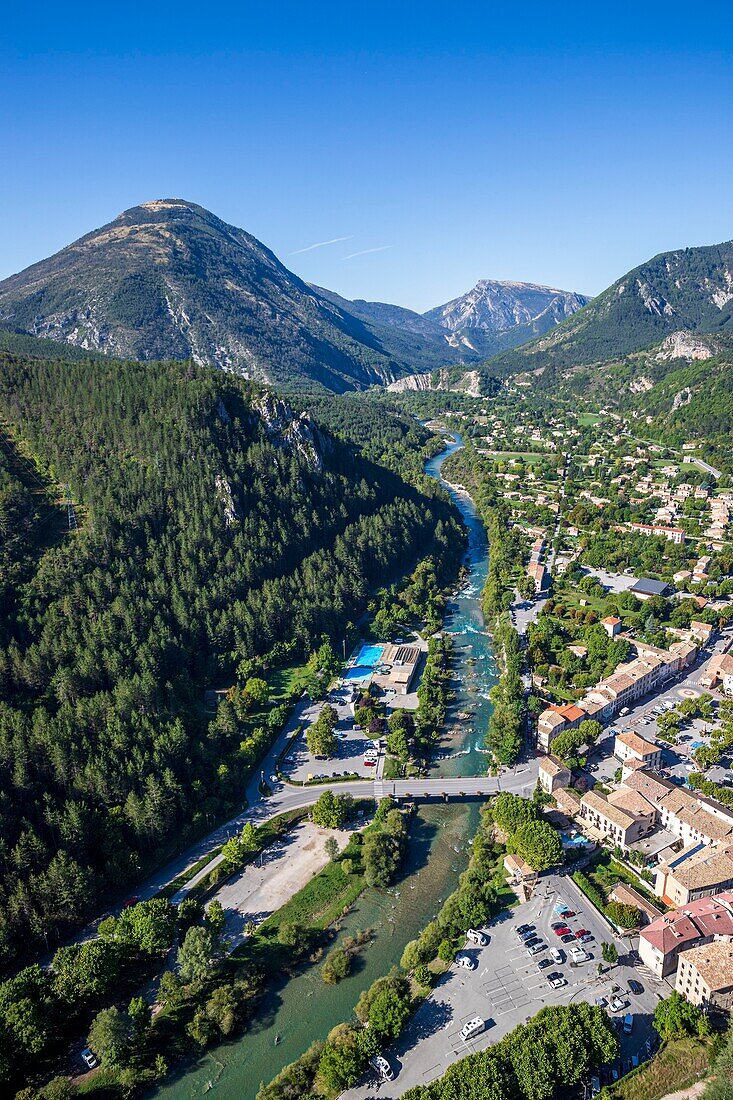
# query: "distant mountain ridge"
x,y
169,280
504,314
689,289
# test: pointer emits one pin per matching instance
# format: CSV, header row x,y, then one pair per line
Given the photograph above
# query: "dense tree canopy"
x,y
217,532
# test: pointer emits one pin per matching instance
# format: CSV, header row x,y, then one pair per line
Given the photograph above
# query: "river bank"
x,y
304,1010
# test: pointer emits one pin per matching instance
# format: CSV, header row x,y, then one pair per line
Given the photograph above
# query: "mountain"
x,y
495,315
409,337
492,316
689,290
169,280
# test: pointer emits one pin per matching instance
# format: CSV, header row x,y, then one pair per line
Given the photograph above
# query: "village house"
x,y
705,921
705,975
630,746
553,774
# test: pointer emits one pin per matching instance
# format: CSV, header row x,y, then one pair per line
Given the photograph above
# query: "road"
x,y
507,987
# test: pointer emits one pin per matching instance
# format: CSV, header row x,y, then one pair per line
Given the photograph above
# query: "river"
x,y
305,1009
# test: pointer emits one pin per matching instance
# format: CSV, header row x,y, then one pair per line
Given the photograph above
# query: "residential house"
x,y
613,822
630,746
553,774
705,975
705,921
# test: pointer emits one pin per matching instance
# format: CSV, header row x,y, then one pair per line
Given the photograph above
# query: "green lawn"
x,y
677,1066
324,898
588,419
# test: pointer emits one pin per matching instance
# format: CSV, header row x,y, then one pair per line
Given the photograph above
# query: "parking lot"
x,y
352,742
508,986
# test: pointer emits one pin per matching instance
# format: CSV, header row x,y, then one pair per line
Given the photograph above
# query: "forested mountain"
x,y
168,279
690,289
218,531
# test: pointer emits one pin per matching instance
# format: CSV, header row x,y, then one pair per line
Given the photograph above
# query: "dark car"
x,y
635,987
557,924
569,938
555,974
543,963
531,940
524,928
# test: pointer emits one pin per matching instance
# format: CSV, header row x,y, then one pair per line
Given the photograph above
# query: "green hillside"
x,y
219,532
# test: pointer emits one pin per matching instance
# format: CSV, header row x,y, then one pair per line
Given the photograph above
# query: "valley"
x,y
194,556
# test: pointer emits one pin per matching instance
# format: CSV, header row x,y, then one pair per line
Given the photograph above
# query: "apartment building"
x,y
705,975
630,746
671,534
696,872
705,921
615,819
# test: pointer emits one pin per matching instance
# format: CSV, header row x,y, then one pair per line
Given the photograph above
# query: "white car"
x,y
466,962
535,948
88,1058
578,955
381,1066
557,956
557,983
616,1004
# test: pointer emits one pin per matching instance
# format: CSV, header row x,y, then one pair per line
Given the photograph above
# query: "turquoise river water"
x,y
305,1009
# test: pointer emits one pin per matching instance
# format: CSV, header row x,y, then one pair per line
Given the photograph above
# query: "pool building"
x,y
390,667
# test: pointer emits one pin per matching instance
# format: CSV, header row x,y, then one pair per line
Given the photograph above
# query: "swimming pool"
x,y
369,656
358,675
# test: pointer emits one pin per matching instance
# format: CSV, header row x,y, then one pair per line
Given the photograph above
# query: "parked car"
x,y
557,924
88,1058
557,983
563,930
382,1067
525,928
616,1004
635,987
578,955
557,956
535,948
582,932
628,1023
466,962
543,963
568,938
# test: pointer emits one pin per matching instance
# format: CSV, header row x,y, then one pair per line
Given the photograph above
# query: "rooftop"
x,y
714,964
706,917
649,587
698,868
637,744
606,809
552,766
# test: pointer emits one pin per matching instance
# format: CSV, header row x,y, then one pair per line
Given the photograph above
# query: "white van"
x,y
477,938
473,1027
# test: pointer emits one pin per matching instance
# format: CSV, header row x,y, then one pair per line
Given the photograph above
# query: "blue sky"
x,y
552,143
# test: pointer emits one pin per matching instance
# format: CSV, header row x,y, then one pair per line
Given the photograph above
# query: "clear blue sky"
x,y
557,143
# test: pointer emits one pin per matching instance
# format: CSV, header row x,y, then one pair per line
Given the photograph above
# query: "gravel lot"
x,y
273,878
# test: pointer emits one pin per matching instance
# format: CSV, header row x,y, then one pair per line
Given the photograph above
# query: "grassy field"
x,y
679,1064
587,419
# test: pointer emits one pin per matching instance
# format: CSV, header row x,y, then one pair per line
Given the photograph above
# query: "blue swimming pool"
x,y
369,656
358,675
